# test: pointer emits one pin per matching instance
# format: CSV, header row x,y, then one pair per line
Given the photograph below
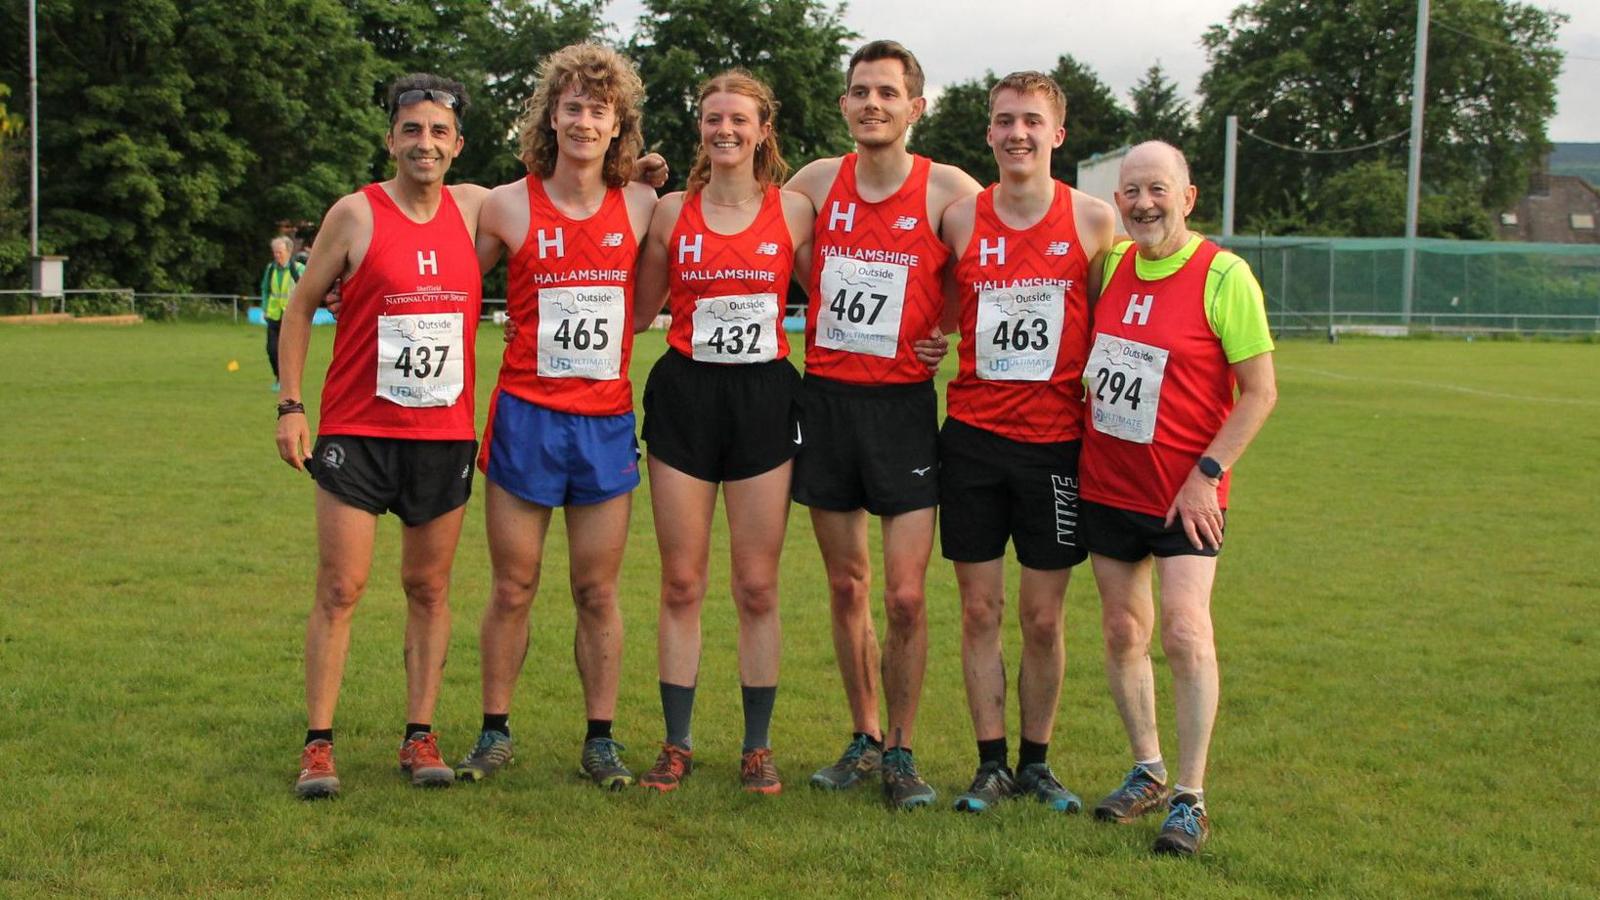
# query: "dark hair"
x,y
876,50
426,81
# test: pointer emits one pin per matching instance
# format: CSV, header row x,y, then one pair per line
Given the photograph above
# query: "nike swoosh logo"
x,y
797,432
922,471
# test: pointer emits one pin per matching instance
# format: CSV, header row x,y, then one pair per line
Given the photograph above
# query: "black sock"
x,y
758,702
497,722
1031,753
992,752
876,742
598,728
677,707
414,727
319,734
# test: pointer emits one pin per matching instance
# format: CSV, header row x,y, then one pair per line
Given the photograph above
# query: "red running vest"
x,y
875,281
1024,326
726,291
403,358
570,291
1136,320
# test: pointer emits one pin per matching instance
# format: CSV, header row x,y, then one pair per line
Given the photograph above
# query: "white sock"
x,y
1156,768
1199,795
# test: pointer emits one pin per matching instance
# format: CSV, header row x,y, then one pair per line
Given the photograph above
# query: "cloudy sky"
x,y
1119,40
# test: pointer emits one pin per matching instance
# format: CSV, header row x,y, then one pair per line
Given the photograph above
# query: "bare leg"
x,y
1040,599
596,536
842,538
1127,618
983,603
758,514
345,536
682,505
426,554
517,531
1187,638
907,543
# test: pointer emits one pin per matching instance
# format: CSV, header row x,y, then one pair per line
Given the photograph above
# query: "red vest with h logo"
x,y
726,291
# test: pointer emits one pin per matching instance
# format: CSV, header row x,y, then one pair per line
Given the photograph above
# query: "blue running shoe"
x,y
1036,780
492,751
859,760
1186,828
602,764
992,784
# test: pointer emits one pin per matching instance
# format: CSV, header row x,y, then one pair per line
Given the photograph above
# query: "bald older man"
x,y
1179,381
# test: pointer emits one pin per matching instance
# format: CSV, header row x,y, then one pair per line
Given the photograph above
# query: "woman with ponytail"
x,y
719,405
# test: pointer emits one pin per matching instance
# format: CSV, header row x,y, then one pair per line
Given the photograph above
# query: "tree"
x,y
1159,111
954,131
796,46
1320,75
173,136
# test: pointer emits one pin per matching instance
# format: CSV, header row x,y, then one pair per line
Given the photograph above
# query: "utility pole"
x,y
1230,168
1419,81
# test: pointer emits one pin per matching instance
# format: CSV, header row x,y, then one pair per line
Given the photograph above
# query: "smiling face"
x,y
1155,199
1023,130
877,106
731,128
423,141
584,125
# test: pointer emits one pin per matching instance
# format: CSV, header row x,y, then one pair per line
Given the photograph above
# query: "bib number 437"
x,y
420,359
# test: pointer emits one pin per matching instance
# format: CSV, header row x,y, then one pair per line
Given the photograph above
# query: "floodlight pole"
x,y
1419,80
33,126
1230,168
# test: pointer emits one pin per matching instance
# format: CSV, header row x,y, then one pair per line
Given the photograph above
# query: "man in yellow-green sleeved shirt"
x,y
277,283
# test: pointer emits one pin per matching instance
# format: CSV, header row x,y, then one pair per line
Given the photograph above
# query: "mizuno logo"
x,y
1058,248
922,471
767,249
611,239
905,223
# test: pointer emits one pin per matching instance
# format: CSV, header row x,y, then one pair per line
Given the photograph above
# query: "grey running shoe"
x,y
903,788
317,776
1186,828
1037,781
858,761
603,766
990,785
1140,793
419,758
492,751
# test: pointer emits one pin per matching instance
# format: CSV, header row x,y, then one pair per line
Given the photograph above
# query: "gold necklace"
x,y
740,204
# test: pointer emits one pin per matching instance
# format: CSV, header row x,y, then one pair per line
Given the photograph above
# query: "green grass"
x,y
1405,611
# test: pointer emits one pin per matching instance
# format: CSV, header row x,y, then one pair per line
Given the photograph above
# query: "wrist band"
x,y
291,406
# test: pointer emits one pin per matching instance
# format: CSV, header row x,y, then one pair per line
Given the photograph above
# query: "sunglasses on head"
x,y
407,98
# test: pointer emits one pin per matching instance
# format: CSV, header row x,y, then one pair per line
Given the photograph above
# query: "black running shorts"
x,y
992,489
1130,536
418,481
872,447
719,422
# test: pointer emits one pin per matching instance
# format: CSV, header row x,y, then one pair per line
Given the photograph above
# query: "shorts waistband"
x,y
848,389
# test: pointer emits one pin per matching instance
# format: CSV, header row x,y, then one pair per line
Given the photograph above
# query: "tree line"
x,y
177,134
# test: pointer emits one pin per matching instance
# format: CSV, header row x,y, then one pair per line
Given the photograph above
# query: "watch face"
x,y
1210,468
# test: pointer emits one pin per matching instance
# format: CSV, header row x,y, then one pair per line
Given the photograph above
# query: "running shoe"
x,y
419,758
758,774
903,788
317,777
492,751
1036,780
859,760
990,785
1186,827
603,766
671,768
1140,793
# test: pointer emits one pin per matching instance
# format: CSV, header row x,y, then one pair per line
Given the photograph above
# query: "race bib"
x,y
861,305
1124,385
739,328
1019,332
420,359
580,332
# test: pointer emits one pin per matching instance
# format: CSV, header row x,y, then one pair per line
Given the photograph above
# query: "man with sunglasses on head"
x,y
396,430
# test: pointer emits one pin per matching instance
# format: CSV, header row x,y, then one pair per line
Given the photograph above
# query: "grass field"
x,y
1406,612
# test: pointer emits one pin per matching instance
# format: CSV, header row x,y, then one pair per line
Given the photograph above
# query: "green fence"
x,y
1357,284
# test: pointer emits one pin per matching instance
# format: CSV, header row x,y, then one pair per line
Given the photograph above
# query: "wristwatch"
x,y
1210,468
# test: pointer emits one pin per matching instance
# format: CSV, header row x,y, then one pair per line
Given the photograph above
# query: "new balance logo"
x,y
767,249
922,471
1058,248
611,239
905,223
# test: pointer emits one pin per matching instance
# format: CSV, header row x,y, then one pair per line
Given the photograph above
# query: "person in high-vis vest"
x,y
277,283
1178,382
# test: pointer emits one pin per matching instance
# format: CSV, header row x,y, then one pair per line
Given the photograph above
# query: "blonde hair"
x,y
1033,83
599,73
769,165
